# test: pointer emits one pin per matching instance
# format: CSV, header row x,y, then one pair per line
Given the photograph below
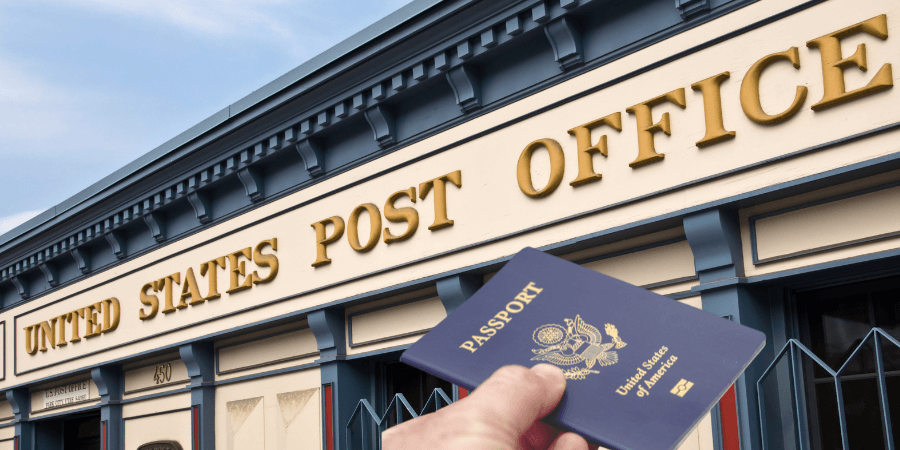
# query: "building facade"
x,y
252,282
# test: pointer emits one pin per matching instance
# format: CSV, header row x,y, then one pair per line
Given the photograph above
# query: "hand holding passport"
x,y
641,369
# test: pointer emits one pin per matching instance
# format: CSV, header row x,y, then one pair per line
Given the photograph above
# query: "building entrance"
x,y
81,432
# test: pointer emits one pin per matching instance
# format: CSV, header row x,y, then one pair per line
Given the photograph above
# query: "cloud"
x,y
9,222
214,17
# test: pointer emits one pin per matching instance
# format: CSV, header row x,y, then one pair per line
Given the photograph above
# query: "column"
x,y
20,400
200,361
343,382
715,239
111,385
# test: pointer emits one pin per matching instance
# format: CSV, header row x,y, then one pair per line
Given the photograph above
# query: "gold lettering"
x,y
515,307
147,299
643,114
532,287
265,260
189,289
833,63
209,267
503,315
525,298
469,345
750,100
31,339
586,150
61,322
712,110
48,334
238,269
480,339
557,168
399,215
110,306
72,318
322,241
374,227
92,322
440,197
166,285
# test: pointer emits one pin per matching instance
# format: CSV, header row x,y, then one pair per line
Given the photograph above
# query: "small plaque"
x,y
161,445
68,394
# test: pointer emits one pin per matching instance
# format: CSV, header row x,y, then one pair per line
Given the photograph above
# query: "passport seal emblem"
x,y
577,342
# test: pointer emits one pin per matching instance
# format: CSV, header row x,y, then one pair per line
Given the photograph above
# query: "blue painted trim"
x,y
389,338
624,51
65,413
383,351
264,364
629,251
775,276
682,295
753,219
158,413
184,390
273,373
670,282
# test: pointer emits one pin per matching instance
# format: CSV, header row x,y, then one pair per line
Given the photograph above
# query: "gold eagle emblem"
x,y
576,342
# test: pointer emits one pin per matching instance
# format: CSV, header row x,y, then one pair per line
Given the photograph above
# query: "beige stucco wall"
x,y
175,426
274,413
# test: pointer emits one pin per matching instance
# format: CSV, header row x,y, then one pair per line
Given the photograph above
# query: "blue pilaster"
x,y
199,358
20,401
111,386
349,383
715,239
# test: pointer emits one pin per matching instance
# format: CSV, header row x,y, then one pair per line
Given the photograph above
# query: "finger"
x,y
539,436
569,441
518,396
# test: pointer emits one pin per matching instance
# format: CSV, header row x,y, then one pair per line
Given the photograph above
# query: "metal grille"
x,y
372,425
794,352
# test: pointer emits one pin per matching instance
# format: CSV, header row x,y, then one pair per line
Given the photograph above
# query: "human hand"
x,y
502,414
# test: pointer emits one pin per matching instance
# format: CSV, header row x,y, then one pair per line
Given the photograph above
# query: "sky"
x,y
87,86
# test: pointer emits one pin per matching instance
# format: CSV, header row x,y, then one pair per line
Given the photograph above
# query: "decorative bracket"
x,y
157,225
313,157
715,239
117,243
51,273
200,201
109,383
21,287
565,38
327,326
467,87
20,401
692,8
454,291
199,359
83,259
253,183
381,119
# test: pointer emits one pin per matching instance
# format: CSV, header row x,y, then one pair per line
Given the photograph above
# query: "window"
x,y
833,323
415,385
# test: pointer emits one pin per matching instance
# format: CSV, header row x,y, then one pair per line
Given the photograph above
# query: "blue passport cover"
x,y
642,369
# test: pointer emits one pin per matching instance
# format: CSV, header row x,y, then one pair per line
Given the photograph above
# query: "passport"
x,y
641,369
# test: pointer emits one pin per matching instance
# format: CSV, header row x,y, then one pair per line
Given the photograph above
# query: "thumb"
x,y
518,396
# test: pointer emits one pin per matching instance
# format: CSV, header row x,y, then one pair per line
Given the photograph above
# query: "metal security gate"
x,y
793,352
372,425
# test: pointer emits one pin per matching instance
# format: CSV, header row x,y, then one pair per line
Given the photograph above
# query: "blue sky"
x,y
87,86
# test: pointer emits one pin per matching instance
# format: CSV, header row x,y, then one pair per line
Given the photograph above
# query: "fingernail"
x,y
550,372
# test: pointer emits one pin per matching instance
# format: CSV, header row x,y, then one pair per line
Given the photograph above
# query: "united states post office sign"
x,y
770,104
